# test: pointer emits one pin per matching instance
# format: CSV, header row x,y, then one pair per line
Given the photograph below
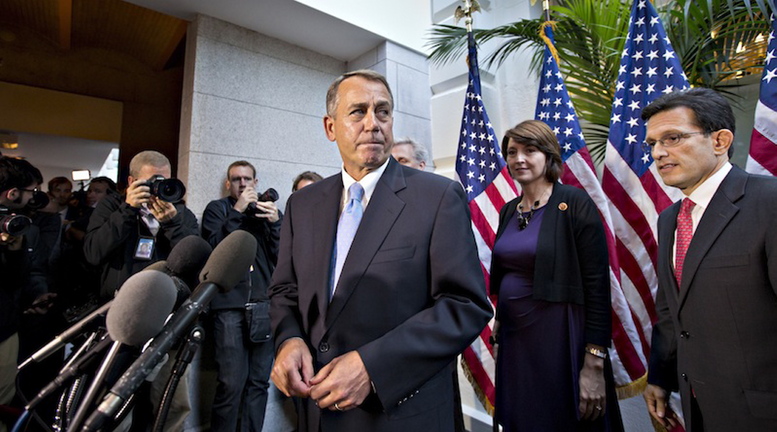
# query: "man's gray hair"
x,y
370,75
419,151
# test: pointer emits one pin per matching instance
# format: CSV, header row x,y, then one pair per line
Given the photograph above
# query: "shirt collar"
x,y
703,194
368,182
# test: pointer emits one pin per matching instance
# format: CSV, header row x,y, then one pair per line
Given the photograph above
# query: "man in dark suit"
x,y
365,335
716,335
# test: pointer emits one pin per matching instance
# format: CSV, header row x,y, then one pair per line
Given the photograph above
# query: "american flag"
x,y
636,194
763,142
555,108
483,174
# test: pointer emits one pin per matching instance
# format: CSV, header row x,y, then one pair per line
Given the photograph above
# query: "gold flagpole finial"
x,y
466,12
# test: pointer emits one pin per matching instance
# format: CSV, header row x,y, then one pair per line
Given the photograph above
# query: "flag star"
x,y
492,166
619,86
482,164
557,102
633,122
639,38
617,102
650,88
769,75
473,135
641,4
638,55
549,60
631,138
546,89
559,87
567,132
480,123
491,149
545,102
634,105
651,71
769,56
582,138
463,158
472,147
636,72
567,147
624,53
667,41
470,162
668,89
653,20
469,189
615,118
480,108
549,73
570,117
544,115
640,22
473,124
491,139
482,151
556,115
556,130
558,75
622,69
653,38
482,136
470,175
488,125
668,72
571,105
668,54
464,133
635,89
482,178
646,158
478,97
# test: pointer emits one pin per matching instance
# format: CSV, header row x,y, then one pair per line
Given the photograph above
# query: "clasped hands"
x,y
341,385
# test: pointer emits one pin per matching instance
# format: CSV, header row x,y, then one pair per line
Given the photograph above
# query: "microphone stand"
x,y
182,361
97,382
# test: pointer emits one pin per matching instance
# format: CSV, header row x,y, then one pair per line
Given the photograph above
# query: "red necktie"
x,y
684,235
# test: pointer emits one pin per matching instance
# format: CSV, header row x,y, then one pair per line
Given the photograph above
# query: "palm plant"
x,y
708,36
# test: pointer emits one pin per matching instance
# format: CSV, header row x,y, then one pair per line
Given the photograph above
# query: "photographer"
x,y
244,352
121,225
19,182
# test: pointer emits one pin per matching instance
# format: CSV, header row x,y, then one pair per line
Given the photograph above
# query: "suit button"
x,y
684,334
685,377
323,347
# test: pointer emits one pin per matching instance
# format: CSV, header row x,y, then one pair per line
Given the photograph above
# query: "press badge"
x,y
144,248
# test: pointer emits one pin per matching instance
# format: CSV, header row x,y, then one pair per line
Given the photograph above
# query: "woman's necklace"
x,y
523,220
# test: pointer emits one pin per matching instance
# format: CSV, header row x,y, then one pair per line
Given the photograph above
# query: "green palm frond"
x,y
590,36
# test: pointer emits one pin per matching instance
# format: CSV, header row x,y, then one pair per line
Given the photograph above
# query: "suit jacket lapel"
x,y
666,245
323,230
379,217
716,217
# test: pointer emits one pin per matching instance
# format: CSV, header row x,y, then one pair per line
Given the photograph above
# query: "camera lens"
x,y
170,190
14,225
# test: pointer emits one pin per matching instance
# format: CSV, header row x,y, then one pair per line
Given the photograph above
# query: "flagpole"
x,y
546,9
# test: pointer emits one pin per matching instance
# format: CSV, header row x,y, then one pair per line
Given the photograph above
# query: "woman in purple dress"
x,y
551,274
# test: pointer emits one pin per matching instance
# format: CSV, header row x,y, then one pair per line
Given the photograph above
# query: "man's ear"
x,y
329,128
11,194
226,184
722,141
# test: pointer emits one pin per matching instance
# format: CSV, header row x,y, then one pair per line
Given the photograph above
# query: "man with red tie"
x,y
716,336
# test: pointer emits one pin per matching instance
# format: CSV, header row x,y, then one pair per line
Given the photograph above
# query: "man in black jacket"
x,y
244,352
128,233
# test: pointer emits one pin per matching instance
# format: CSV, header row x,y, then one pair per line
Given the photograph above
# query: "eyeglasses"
x,y
670,140
36,190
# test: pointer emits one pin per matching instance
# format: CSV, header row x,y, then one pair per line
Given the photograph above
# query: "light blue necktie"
x,y
346,230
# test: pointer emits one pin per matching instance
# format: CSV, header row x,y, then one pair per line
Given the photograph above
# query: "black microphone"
x,y
138,313
187,259
63,338
225,269
182,288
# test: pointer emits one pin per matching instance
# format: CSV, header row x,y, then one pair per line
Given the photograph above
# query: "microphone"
x,y
187,259
138,313
225,269
182,289
63,338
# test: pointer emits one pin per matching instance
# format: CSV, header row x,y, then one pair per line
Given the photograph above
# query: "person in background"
x,y
410,153
716,336
551,274
305,178
241,317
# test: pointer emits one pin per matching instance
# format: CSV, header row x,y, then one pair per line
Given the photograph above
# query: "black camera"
x,y
170,190
13,224
270,195
38,201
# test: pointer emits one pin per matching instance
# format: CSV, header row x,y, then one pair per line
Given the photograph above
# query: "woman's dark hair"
x,y
537,134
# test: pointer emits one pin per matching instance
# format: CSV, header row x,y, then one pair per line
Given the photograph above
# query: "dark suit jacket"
x,y
411,296
718,333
